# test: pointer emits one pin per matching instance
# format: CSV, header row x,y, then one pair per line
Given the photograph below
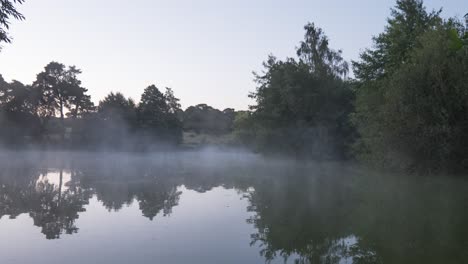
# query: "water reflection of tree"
x,y
50,206
301,217
302,212
153,184
16,193
55,210
119,185
154,198
341,216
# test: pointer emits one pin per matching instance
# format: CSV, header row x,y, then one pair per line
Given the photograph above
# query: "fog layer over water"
x,y
223,207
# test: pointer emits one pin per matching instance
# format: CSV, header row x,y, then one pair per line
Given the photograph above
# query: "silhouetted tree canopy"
x,y
116,106
411,110
18,120
8,11
302,105
406,109
60,88
157,115
203,118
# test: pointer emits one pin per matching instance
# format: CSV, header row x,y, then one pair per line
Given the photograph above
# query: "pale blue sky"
x,y
205,50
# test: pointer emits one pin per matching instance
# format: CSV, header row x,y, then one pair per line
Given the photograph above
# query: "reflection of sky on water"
x,y
181,209
205,227
53,177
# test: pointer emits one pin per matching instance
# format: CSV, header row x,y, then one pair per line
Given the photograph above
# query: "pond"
x,y
223,207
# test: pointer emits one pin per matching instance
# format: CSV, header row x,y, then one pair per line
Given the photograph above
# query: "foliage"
x,y
157,115
57,111
116,106
18,121
409,19
412,114
407,108
205,119
8,11
60,89
302,105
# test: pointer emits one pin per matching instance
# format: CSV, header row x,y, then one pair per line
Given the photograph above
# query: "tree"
x,y
315,52
244,128
172,101
203,118
157,115
17,97
113,125
58,86
3,90
424,113
59,89
302,105
7,11
116,106
411,99
409,19
80,103
153,108
18,119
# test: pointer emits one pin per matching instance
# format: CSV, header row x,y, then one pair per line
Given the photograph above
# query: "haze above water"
x,y
223,207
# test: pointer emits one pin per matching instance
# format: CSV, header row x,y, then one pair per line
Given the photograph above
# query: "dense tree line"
x,y
406,107
412,93
57,111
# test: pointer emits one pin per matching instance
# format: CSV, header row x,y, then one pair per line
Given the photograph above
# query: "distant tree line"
x,y
203,118
56,110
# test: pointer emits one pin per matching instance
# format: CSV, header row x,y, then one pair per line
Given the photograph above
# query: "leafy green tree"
x,y
172,101
116,106
157,115
409,19
411,93
315,52
302,105
60,90
153,108
58,87
244,128
80,103
18,120
8,11
17,97
203,118
114,124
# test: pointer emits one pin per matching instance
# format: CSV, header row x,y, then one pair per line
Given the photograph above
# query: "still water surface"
x,y
223,207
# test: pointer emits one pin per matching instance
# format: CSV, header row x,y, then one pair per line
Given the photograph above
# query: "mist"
x,y
333,162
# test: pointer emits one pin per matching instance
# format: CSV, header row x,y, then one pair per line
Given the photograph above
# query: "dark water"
x,y
212,207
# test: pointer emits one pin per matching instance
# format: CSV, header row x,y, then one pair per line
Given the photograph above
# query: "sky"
x,y
205,50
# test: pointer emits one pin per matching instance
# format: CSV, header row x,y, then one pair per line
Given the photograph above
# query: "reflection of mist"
x,y
300,211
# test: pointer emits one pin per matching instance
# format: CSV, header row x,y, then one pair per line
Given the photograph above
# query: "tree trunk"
x,y
60,187
62,121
